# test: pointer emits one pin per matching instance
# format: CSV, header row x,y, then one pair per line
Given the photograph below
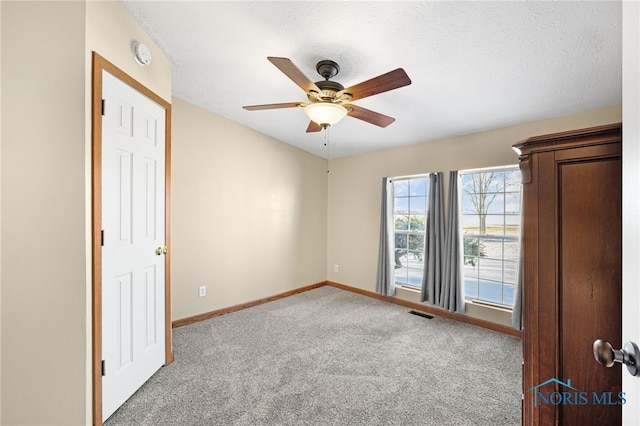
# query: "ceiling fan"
x,y
329,101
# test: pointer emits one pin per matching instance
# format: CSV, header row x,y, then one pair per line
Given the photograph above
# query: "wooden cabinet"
x,y
572,250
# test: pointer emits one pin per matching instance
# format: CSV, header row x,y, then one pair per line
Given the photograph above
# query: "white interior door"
x,y
133,223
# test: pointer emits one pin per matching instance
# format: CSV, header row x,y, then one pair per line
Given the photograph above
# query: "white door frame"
x,y
100,64
630,201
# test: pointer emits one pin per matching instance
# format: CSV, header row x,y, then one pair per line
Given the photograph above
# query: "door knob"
x,y
607,356
162,250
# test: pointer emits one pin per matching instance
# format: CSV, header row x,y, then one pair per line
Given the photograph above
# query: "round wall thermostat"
x,y
142,53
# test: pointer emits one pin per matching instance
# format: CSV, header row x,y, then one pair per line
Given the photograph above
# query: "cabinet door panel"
x,y
590,244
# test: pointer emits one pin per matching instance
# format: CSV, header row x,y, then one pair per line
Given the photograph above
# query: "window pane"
x,y
415,259
470,203
401,205
400,260
508,292
512,224
470,183
494,203
512,180
400,188
416,242
492,181
401,275
401,241
471,288
490,291
490,269
417,223
418,186
510,272
414,277
494,224
418,205
470,267
471,246
402,222
471,224
491,247
511,250
512,202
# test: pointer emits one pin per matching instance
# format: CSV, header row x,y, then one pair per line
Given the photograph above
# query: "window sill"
x,y
408,288
489,305
469,301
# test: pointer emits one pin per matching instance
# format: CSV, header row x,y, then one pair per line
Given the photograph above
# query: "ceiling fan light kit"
x,y
329,99
325,113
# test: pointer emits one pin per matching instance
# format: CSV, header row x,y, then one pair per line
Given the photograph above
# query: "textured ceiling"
x,y
474,66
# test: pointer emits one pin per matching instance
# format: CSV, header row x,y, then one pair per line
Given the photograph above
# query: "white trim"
x,y
486,169
416,176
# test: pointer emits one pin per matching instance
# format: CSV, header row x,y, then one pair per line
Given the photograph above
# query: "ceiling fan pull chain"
x,y
326,144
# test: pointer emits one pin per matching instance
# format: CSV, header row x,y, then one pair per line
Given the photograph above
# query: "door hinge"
x,y
102,237
102,107
104,369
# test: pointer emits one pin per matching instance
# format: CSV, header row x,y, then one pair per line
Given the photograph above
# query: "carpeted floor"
x,y
332,357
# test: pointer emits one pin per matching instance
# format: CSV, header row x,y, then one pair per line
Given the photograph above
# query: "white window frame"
x,y
503,241
414,258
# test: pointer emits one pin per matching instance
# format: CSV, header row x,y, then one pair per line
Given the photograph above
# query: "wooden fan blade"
x,y
272,106
382,83
290,70
313,127
369,116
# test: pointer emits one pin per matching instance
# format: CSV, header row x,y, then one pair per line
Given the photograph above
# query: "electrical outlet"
x,y
203,291
335,268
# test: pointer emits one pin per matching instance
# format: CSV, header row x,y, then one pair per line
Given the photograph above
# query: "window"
x,y
491,227
410,217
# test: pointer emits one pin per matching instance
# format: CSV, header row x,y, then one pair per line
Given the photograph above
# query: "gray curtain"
x,y
516,314
385,282
452,292
434,240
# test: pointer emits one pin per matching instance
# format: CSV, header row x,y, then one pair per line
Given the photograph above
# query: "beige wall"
x,y
46,287
355,190
43,219
248,213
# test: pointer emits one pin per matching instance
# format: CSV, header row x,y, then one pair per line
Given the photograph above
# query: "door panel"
x,y
590,282
133,274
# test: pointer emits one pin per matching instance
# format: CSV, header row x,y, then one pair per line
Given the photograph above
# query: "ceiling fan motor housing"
x,y
329,90
327,69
